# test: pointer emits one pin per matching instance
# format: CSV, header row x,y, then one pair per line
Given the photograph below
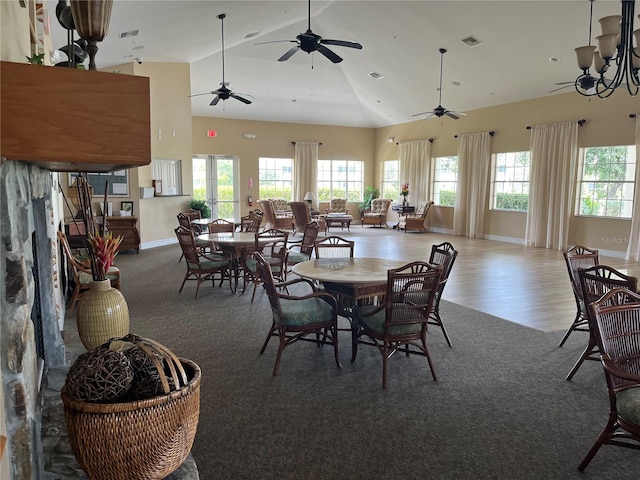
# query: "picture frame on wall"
x,y
126,209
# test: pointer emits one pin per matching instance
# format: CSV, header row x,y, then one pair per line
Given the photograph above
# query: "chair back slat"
x,y
309,238
597,280
443,254
410,293
334,247
220,225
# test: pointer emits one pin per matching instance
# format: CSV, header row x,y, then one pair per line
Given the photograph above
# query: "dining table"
x,y
234,244
352,281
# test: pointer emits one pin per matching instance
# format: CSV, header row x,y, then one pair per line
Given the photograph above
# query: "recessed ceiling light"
x,y
457,84
376,75
252,34
554,59
139,47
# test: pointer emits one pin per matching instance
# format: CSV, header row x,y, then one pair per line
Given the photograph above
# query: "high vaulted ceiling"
x,y
400,41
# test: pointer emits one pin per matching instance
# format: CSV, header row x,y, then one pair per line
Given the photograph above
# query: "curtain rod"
x,y
580,123
430,141
491,133
293,143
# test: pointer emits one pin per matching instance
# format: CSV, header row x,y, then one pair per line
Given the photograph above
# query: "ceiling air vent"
x,y
130,33
376,75
471,41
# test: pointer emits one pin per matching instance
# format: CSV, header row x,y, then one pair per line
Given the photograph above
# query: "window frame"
x,y
281,183
524,183
435,182
353,188
390,188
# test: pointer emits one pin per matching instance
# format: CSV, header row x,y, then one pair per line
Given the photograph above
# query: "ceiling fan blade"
x,y
329,54
566,83
452,115
341,43
423,113
238,97
200,94
556,89
289,53
275,41
215,101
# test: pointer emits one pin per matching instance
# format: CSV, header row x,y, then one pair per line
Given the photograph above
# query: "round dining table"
x,y
352,271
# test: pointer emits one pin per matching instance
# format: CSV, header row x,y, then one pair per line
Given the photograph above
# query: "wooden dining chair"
x,y
294,317
595,282
445,255
302,250
251,222
334,247
184,220
201,266
617,318
399,323
578,257
272,244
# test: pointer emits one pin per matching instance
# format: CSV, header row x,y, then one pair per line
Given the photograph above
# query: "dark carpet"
x,y
500,409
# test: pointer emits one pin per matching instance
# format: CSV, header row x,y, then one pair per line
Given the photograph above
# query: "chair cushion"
x,y
628,405
297,257
376,322
252,265
372,215
209,264
303,312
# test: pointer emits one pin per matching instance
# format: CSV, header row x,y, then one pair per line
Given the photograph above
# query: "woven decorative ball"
x,y
100,376
146,380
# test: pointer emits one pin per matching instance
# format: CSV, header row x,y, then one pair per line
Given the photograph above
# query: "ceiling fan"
x,y
440,111
223,92
310,42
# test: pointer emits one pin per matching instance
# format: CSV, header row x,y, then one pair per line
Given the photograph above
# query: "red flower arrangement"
x,y
104,249
405,190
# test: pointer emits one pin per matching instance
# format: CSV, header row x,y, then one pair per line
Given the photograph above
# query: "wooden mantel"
x,y
67,119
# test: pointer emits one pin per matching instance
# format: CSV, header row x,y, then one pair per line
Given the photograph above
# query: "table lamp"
x,y
309,197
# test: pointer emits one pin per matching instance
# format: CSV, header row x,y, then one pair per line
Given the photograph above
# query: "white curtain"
x,y
552,178
474,158
415,169
633,250
305,170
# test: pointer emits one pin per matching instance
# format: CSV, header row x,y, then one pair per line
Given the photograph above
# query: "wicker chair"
x,y
377,215
595,282
334,247
295,317
302,251
416,221
400,322
445,255
184,220
251,222
275,221
617,317
201,266
577,257
82,276
272,244
338,205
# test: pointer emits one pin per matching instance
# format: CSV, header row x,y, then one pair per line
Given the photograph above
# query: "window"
x,y
340,179
390,181
169,172
607,181
275,178
445,179
510,186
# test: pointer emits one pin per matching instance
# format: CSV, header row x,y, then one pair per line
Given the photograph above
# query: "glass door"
x,y
215,180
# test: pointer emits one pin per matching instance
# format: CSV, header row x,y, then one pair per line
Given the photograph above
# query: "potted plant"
x,y
370,193
201,206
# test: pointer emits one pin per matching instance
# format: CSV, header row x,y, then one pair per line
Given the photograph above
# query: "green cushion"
x,y
303,312
297,257
273,262
628,405
210,264
376,322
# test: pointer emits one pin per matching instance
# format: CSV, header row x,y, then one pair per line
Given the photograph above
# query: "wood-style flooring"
x,y
525,285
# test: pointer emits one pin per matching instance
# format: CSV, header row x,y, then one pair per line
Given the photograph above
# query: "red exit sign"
x,y
212,133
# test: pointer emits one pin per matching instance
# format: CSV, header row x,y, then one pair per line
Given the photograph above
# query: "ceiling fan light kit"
x,y
615,52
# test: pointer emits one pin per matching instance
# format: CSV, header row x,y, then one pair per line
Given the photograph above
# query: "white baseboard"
x,y
158,243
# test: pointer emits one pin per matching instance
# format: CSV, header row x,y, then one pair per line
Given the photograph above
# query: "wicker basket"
x,y
141,440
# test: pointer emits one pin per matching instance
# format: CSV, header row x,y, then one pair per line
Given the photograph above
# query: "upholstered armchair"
x,y
377,215
338,205
280,205
415,221
271,220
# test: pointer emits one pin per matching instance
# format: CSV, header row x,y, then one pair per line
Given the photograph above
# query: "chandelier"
x,y
615,55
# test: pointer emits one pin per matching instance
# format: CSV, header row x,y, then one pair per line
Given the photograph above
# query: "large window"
x,y
340,179
276,178
607,181
390,180
510,186
445,180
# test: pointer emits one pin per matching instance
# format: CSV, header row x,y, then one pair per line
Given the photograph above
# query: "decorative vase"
x,y
91,19
404,201
102,314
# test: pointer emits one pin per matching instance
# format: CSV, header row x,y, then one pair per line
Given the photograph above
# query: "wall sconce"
x,y
309,197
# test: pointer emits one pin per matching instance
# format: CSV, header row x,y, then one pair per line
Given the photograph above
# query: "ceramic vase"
x,y
405,202
102,314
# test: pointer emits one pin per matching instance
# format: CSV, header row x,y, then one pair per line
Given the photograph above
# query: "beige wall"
x,y
274,140
607,123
